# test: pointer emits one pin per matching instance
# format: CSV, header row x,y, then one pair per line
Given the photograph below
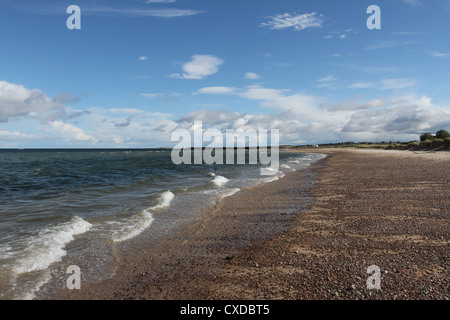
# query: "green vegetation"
x,y
438,142
442,134
426,136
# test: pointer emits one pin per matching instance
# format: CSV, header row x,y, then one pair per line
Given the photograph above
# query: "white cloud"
x,y
261,93
402,119
357,103
252,76
299,117
310,118
296,21
69,132
199,67
217,90
143,58
6,135
16,101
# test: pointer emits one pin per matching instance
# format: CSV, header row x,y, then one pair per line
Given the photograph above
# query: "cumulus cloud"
x,y
401,116
301,117
410,119
358,103
70,132
15,135
295,21
199,67
16,101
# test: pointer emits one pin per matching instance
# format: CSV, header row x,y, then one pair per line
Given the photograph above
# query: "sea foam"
x,y
48,245
220,181
144,219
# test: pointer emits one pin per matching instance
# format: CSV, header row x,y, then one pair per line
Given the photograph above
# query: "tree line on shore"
x,y
428,141
441,134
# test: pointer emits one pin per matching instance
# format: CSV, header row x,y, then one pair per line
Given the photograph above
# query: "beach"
x,y
309,235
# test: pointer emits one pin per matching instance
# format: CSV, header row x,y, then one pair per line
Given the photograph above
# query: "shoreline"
x,y
289,240
201,243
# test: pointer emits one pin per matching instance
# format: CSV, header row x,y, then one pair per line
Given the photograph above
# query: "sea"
x,y
66,207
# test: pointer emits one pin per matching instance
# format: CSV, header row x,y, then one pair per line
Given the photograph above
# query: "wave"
x,y
220,181
143,220
39,252
164,200
48,246
230,192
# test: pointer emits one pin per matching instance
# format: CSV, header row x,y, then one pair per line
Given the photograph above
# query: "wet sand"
x,y
292,239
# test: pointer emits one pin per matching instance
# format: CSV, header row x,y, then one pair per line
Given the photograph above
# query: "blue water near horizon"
x,y
60,207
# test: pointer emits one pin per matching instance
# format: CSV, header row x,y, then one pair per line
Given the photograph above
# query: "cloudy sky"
x,y
139,69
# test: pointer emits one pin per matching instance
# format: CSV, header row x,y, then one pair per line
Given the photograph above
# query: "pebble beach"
x,y
309,236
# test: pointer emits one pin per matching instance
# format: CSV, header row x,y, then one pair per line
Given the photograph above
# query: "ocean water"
x,y
73,207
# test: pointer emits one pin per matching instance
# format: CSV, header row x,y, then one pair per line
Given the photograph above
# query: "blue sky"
x,y
139,69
